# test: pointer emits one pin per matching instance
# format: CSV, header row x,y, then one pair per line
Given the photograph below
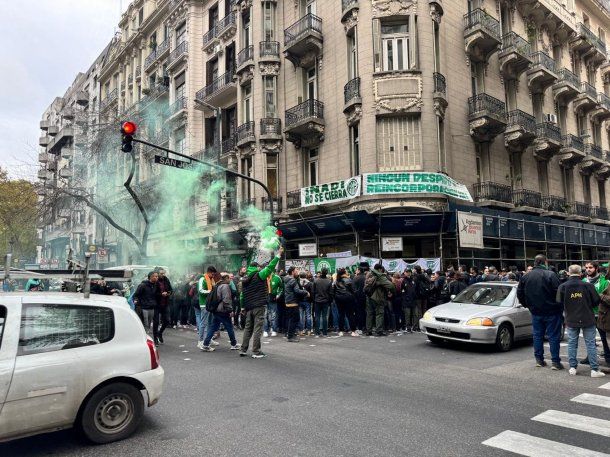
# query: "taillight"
x,y
154,355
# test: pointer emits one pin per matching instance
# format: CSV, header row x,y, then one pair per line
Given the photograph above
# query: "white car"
x,y
69,361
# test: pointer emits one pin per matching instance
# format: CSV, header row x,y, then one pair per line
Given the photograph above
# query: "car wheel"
x,y
112,413
504,338
435,340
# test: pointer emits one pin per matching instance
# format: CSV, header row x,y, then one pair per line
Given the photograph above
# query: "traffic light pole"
x,y
218,167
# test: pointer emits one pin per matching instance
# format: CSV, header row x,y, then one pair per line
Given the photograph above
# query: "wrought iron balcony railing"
x,y
138,71
573,142
604,101
565,75
492,191
228,145
347,4
351,90
177,106
220,82
275,202
440,83
269,49
549,130
225,22
591,37
245,131
271,126
293,199
543,59
245,55
594,151
210,35
526,121
599,212
554,204
525,197
305,110
513,41
180,50
484,102
579,209
130,80
588,89
479,18
308,23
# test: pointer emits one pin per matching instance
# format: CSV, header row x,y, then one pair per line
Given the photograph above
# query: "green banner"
x,y
414,183
329,264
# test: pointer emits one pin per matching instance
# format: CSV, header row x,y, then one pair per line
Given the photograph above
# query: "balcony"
x,y
600,215
548,141
43,157
602,111
130,80
303,40
110,100
520,131
43,174
138,73
586,100
514,56
122,87
210,40
351,95
578,211
554,206
245,64
269,51
492,195
178,107
45,124
304,123
52,165
594,159
227,146
67,113
64,136
245,134
53,130
221,92
573,150
567,87
527,201
487,117
604,171
347,6
439,95
178,55
65,173
271,135
230,213
293,199
542,73
82,98
276,203
227,26
482,35
589,45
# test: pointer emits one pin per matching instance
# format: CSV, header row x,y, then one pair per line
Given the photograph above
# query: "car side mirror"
x,y
518,305
452,297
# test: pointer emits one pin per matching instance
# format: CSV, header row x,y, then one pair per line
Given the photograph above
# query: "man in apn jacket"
x,y
537,291
579,300
375,304
255,294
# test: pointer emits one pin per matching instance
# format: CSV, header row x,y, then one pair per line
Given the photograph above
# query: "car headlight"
x,y
427,316
480,321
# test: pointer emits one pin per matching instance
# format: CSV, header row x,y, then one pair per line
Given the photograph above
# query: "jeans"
x,y
292,318
305,309
160,317
321,318
203,320
253,329
335,313
589,334
551,326
345,306
604,336
147,318
412,316
271,316
218,319
374,315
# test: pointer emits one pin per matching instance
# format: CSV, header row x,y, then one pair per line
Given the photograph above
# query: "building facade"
x,y
508,97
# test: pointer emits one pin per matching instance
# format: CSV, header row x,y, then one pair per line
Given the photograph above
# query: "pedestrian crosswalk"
x,y
534,446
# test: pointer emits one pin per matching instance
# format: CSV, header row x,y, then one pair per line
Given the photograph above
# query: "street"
x,y
396,395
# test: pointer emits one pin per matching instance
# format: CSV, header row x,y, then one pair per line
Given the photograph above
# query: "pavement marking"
x,y
312,345
392,341
184,351
592,399
605,386
187,359
575,422
532,446
266,342
181,346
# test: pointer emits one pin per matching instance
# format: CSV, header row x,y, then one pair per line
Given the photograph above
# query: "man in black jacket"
x,y
145,298
322,296
161,316
578,299
293,294
358,285
537,291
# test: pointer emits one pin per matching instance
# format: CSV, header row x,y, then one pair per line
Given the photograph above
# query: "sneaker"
x,y
354,334
243,354
572,371
340,333
161,338
359,332
408,330
207,349
273,333
317,336
259,355
200,345
236,347
214,343
557,366
265,335
295,339
584,361
597,374
541,363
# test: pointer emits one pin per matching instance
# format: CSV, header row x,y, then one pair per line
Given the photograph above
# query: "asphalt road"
x,y
388,396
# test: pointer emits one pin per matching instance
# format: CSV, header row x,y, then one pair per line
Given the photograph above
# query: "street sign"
x,y
174,163
92,248
391,244
102,255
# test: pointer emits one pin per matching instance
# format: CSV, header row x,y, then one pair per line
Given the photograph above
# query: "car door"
x,y
46,388
522,319
9,337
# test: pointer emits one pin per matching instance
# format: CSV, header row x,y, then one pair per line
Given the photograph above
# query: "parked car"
x,y
484,313
69,361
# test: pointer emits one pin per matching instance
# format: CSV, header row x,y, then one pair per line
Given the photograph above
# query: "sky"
x,y
46,43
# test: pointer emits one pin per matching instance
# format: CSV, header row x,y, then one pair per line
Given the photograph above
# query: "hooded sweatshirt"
x,y
255,291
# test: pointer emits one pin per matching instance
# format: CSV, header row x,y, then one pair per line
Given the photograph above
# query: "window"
x,y
354,142
181,34
213,17
310,6
543,176
352,55
396,46
246,30
246,169
586,188
140,16
269,90
601,190
180,86
272,177
311,174
399,143
247,103
567,180
311,84
180,140
46,328
269,21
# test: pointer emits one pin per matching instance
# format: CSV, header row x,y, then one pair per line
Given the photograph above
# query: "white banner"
x,y
331,193
391,244
470,229
308,249
339,255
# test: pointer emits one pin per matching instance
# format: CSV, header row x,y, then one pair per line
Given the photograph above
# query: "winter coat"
x,y
322,290
164,285
358,286
537,291
255,289
578,299
455,287
383,286
293,293
603,319
225,296
408,294
343,290
146,295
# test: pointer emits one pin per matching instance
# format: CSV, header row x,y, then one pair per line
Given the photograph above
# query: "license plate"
x,y
443,330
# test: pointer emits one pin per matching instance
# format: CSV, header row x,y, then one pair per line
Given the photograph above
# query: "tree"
x,y
18,211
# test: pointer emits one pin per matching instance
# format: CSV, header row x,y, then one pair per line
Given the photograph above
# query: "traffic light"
x,y
128,130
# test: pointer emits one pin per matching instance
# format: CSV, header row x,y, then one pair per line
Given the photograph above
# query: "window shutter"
x,y
377,44
179,81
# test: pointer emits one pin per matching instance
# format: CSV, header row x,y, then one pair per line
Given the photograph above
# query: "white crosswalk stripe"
x,y
594,400
575,422
605,386
532,446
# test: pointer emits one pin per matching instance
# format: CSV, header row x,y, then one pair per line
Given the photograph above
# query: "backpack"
x,y
213,300
370,284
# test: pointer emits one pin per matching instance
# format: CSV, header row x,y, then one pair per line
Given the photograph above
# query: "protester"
x,y
275,285
358,286
422,289
379,287
322,297
145,297
222,315
409,302
255,297
578,299
34,285
293,294
537,291
343,293
601,283
204,318
161,316
306,324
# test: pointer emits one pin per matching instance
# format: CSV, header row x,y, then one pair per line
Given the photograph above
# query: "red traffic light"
x,y
128,128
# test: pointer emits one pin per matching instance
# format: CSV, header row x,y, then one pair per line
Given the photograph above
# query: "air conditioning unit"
x,y
217,49
551,118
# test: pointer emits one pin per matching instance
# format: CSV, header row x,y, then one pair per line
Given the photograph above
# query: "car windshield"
x,y
489,295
